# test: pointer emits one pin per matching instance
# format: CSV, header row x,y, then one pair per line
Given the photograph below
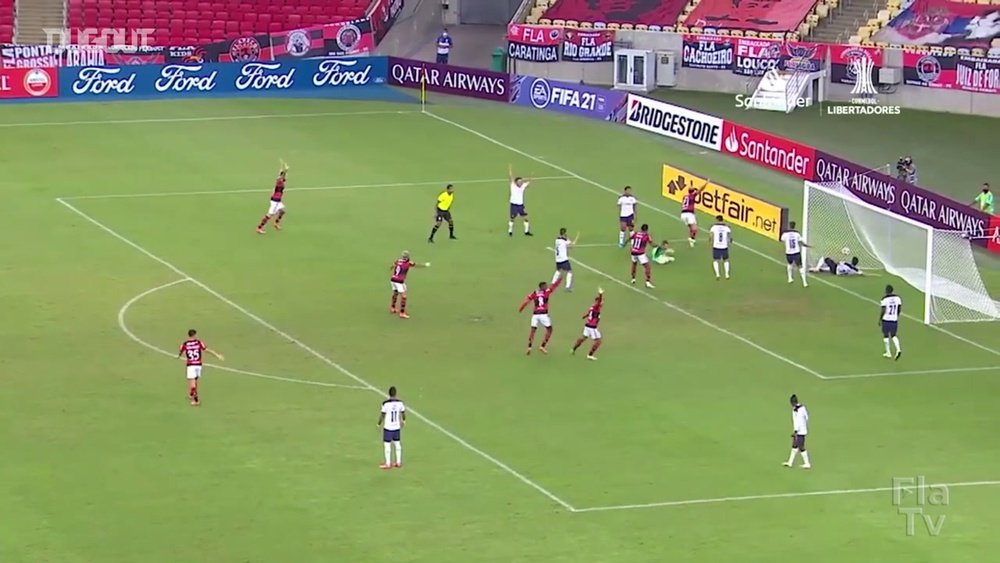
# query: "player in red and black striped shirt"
x,y
277,208
591,319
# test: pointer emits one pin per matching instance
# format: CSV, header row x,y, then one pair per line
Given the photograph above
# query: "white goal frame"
x,y
931,235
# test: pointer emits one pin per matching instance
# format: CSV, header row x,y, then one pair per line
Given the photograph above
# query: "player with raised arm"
x,y
638,243
442,213
688,213
800,428
563,265
722,236
517,209
590,321
793,253
193,351
539,300
391,421
626,215
276,210
891,307
397,281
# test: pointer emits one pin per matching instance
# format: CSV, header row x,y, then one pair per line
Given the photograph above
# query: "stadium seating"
x,y
613,14
6,21
192,22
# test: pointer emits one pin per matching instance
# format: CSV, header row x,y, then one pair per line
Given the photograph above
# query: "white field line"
x,y
319,356
695,317
598,185
834,492
128,332
917,372
198,119
458,184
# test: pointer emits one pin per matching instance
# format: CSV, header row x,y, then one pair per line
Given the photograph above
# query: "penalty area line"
x,y
666,213
915,372
318,355
834,492
701,320
123,312
457,183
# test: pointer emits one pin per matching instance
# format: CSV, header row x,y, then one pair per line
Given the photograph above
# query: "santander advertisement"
x,y
771,151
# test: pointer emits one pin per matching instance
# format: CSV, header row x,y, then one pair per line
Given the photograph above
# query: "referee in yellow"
x,y
442,212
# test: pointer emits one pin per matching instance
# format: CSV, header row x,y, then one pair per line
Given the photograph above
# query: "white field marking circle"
x,y
128,332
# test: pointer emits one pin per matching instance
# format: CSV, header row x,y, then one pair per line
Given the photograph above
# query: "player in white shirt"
x,y
517,209
391,421
800,428
563,265
626,215
891,308
722,236
793,253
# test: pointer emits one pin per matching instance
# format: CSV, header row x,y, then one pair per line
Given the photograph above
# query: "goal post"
x,y
939,263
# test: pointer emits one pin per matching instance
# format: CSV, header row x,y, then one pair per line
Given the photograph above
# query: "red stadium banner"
x,y
843,57
588,46
956,72
756,15
20,83
538,43
771,151
382,15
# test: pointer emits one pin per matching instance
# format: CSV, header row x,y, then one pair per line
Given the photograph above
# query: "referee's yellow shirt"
x,y
445,200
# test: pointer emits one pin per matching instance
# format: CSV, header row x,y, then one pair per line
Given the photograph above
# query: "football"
x,y
845,251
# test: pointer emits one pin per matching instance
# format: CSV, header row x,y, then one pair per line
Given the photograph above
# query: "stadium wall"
x,y
914,97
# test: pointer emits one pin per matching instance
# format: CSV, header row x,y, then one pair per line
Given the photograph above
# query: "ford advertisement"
x,y
577,99
201,79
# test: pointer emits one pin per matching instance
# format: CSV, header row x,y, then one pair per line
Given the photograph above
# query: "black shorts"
x,y
443,215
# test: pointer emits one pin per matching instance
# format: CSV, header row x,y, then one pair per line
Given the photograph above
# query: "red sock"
x,y
693,232
649,273
633,270
579,341
279,218
395,297
593,349
402,303
531,337
264,221
548,335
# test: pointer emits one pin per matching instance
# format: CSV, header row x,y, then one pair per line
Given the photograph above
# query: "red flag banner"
x,y
843,57
538,43
757,15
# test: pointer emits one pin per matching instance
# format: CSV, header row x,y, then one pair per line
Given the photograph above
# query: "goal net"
x,y
938,263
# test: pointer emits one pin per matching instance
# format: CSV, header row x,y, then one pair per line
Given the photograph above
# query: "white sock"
x,y
388,452
621,238
726,264
715,266
510,227
569,280
790,280
527,227
399,453
805,458
791,456
802,274
895,341
555,276
887,349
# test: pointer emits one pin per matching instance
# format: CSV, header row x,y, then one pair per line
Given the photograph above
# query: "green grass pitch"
x,y
129,223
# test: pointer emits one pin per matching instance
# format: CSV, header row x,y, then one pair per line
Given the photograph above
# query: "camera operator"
x,y
906,170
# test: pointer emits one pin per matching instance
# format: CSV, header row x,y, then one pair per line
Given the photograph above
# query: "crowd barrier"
x,y
320,76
